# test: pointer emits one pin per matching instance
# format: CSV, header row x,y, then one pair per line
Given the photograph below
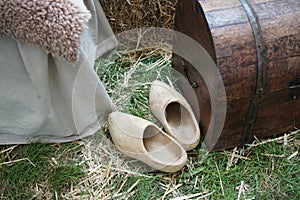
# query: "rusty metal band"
x,y
261,67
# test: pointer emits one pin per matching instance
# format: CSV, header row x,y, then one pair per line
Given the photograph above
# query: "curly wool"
x,y
53,25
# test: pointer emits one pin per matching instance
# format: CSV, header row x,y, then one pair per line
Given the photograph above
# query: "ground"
x,y
93,169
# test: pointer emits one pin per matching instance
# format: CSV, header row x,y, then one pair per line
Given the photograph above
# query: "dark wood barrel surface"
x,y
256,47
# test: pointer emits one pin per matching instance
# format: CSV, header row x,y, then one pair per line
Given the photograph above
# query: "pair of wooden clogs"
x,y
143,140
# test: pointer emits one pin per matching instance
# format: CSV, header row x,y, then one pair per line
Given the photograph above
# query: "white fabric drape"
x,y
46,99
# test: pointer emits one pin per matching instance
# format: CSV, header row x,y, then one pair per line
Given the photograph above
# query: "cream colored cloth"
x,y
46,99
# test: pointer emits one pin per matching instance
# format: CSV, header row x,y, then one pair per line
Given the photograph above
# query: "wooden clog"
x,y
175,114
143,140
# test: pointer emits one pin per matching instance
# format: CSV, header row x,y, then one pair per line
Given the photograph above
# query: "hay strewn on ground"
x,y
128,14
94,169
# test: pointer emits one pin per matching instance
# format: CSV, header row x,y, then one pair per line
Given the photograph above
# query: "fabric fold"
x,y
46,99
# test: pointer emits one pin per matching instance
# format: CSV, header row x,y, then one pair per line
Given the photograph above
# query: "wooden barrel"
x,y
256,47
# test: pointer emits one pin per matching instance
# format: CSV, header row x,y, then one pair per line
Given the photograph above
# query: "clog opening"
x,y
160,147
181,122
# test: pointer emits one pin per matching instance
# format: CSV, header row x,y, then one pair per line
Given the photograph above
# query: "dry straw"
x,y
129,14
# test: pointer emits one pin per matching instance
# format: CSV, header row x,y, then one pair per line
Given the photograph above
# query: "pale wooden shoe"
x,y
175,114
143,140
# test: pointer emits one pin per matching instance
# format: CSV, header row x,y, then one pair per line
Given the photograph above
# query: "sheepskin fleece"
x,y
53,25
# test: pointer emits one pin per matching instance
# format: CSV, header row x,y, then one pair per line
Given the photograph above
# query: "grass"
x,y
128,82
264,173
39,170
94,169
